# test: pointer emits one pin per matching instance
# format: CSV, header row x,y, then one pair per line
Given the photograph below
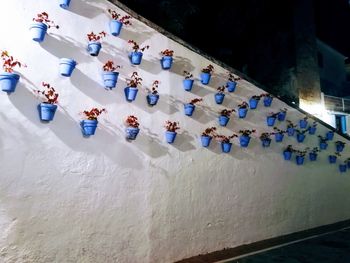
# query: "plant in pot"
x,y
66,66
343,166
339,146
313,128
132,127
265,139
190,106
303,122
287,152
301,135
117,22
242,110
282,114
48,107
290,128
167,58
110,74
94,45
347,161
244,139
89,124
330,135
300,156
207,136
224,116
253,101
219,96
225,142
313,154
171,128
188,81
9,79
279,134
153,95
267,99
271,118
64,4
39,28
206,74
132,86
231,83
332,158
323,142
136,55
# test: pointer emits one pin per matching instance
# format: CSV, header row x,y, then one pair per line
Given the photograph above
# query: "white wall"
x,y
64,198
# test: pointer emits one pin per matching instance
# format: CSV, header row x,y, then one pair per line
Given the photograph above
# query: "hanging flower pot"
x,y
131,90
244,140
332,158
207,136
290,131
67,66
88,126
231,86
303,123
242,110
47,111
130,93
117,22
170,136
266,143
330,135
219,98
223,120
339,146
342,168
206,74
299,160
132,129
312,130
253,102
64,4
153,96
170,133
48,108
115,27
323,145
312,156
267,100
279,137
226,147
300,137
348,163
8,81
39,28
189,109
167,59
281,116
287,155
188,84
94,45
270,120
137,53
109,74
205,140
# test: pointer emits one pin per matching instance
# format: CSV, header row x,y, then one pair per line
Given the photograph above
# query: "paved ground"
x,y
331,248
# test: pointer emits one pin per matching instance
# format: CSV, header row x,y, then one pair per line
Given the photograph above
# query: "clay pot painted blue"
x,y
226,147
8,81
115,27
152,99
136,58
299,160
231,86
170,136
342,168
244,141
300,137
281,116
330,135
339,147
312,157
38,31
332,158
67,66
64,4
88,127
219,98
47,111
279,137
205,78
267,101
287,155
303,123
253,103
290,131
188,84
223,120
242,112
131,133
166,62
348,164
205,140
130,93
323,145
110,79
94,48
270,121
266,143
312,130
189,109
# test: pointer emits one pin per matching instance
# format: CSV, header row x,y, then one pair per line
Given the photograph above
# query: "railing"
x,y
336,104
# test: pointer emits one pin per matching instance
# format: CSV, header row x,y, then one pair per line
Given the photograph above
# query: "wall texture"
x,y
65,198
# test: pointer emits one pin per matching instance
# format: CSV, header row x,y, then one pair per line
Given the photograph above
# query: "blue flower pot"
x,y
67,66
226,147
64,4
270,121
94,48
242,112
299,160
136,58
339,147
152,99
300,137
47,111
131,133
188,84
323,145
267,101
189,109
330,135
231,86
253,103
219,98
166,62
170,136
265,142
223,120
279,137
88,127
115,27
110,79
303,123
332,158
312,130
38,31
287,155
244,141
312,157
205,140
281,116
342,168
205,78
348,164
8,81
130,93
290,131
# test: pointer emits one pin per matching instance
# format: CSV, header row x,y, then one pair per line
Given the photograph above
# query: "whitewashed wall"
x,y
65,198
